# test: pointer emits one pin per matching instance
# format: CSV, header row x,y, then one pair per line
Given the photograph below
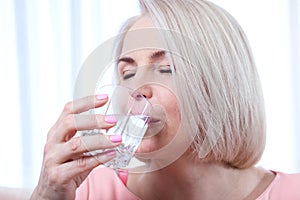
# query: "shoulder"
x,y
284,186
103,183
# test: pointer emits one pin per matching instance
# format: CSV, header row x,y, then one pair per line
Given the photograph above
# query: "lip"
x,y
154,120
155,125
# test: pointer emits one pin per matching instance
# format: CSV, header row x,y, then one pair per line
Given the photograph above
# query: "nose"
x,y
143,91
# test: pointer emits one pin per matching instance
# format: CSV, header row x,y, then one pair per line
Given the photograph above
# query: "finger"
x,y
76,168
77,146
84,104
78,106
72,123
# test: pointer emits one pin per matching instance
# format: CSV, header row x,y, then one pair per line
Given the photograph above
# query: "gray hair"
x,y
216,80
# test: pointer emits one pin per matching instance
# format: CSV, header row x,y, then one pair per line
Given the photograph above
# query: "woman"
x,y
206,80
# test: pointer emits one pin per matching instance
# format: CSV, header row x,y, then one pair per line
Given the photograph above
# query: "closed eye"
x,y
165,69
128,75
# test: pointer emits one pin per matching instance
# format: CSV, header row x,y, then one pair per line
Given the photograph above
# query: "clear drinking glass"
x,y
133,113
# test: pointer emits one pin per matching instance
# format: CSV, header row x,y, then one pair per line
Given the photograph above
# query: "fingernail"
x,y
111,153
116,138
110,119
101,96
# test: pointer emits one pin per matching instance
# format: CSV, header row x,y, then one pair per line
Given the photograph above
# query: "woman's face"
x,y
148,71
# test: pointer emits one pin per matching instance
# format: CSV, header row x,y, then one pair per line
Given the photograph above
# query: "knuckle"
x,y
57,177
69,107
81,162
69,122
49,155
48,161
48,148
75,143
54,176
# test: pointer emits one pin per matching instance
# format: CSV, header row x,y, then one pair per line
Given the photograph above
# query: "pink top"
x,y
104,183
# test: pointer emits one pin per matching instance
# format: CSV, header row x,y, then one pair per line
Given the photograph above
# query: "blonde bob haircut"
x,y
216,80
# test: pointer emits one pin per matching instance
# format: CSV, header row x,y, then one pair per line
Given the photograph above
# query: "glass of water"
x,y
133,114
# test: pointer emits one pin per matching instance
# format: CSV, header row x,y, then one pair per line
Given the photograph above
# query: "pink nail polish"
x,y
116,138
110,119
111,152
101,96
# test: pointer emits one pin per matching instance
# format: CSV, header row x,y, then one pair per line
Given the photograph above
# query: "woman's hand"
x,y
65,166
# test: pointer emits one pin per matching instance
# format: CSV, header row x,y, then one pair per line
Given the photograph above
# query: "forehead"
x,y
142,35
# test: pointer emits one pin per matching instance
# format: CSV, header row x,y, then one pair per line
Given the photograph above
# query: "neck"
x,y
183,180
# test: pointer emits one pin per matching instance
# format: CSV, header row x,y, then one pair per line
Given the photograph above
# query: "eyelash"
x,y
128,76
163,71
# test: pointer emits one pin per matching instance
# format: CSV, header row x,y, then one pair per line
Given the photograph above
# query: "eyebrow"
x,y
154,56
157,54
126,59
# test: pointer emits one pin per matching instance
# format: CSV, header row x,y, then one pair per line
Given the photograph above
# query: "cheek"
x,y
172,113
170,129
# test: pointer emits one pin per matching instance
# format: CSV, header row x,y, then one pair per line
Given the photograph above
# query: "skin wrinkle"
x,y
75,143
81,162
